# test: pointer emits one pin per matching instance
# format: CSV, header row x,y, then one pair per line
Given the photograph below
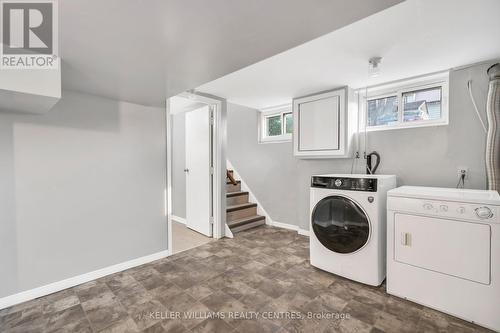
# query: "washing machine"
x,y
348,225
443,250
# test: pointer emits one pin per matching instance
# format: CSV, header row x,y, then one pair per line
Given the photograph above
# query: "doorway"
x,y
195,165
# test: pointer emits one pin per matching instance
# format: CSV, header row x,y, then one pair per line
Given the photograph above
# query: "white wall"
x,y
421,156
81,188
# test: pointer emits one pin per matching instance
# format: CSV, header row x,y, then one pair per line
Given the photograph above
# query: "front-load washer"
x,y
443,250
348,225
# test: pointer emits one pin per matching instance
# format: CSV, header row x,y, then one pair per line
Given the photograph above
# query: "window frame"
x,y
266,113
398,89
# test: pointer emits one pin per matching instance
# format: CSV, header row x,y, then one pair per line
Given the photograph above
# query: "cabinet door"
x,y
319,124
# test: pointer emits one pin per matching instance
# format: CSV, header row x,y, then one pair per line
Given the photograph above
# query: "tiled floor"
x,y
184,238
262,271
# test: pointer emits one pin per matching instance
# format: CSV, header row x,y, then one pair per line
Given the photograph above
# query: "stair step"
x,y
234,208
236,198
239,211
230,188
245,220
235,194
246,223
229,182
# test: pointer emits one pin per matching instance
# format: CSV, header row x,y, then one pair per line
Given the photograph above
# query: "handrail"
x,y
231,178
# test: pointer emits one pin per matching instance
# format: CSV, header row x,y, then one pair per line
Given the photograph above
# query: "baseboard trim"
x,y
31,294
299,230
284,225
178,219
227,231
303,232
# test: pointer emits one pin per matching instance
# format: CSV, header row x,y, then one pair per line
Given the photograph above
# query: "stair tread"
x,y
235,194
245,220
229,182
245,205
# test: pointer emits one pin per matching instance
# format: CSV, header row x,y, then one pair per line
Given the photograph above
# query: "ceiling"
x,y
143,51
414,38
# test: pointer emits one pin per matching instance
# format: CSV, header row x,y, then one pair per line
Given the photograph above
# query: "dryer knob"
x,y
483,212
338,182
428,206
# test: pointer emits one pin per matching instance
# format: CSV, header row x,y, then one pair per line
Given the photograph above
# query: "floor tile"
x,y
146,314
255,299
257,326
90,290
105,314
199,291
212,326
68,319
271,288
118,281
217,300
362,312
173,326
178,302
127,325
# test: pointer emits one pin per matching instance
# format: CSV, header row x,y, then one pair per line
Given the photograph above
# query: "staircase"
x,y
240,214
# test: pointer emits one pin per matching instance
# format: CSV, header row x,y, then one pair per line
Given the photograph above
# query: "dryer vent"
x,y
493,138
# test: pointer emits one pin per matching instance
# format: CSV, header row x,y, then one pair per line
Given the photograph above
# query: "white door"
x,y
456,248
198,177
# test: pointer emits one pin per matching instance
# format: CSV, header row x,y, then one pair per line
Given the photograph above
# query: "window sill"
x,y
276,139
410,125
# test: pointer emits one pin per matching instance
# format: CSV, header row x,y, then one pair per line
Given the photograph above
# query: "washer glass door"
x,y
340,224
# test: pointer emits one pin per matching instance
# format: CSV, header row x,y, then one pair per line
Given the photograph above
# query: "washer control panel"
x,y
344,183
448,209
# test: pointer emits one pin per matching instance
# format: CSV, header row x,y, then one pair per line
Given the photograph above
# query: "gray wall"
x,y
426,156
81,188
179,164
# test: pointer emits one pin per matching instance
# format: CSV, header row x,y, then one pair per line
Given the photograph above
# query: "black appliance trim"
x,y
345,183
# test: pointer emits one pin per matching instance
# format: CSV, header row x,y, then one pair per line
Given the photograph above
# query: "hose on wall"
x,y
469,88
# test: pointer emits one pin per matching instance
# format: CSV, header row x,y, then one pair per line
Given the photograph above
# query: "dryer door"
x,y
340,224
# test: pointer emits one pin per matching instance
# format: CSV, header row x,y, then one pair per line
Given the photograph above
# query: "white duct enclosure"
x,y
30,90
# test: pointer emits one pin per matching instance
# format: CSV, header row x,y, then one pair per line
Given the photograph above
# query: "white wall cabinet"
x,y
324,124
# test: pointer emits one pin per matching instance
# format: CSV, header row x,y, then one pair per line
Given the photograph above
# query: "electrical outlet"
x,y
463,171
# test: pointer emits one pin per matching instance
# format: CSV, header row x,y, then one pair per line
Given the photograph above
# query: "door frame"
x,y
219,159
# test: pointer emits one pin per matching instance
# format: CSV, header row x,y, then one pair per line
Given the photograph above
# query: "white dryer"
x,y
443,250
348,225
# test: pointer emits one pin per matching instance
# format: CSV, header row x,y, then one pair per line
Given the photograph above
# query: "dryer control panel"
x,y
344,183
446,209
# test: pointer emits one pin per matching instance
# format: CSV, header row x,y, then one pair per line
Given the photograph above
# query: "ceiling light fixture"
x,y
374,66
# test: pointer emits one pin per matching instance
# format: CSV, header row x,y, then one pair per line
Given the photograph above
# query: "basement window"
x,y
276,124
416,102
